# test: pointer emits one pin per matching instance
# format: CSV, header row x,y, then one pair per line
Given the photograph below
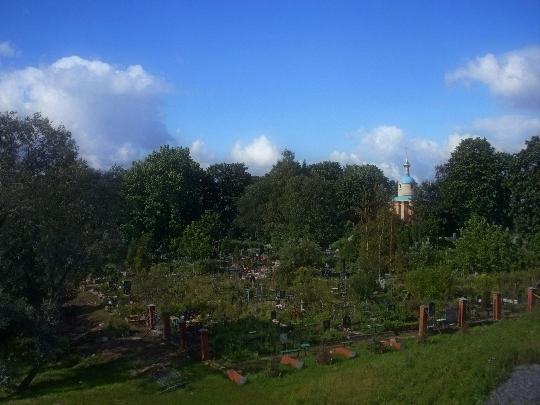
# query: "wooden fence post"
x,y
422,321
462,310
531,298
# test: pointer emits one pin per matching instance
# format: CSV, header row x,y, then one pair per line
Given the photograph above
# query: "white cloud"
x,y
513,76
258,155
7,50
346,158
386,146
115,114
384,139
508,132
200,153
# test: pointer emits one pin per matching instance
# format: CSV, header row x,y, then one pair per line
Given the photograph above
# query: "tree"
x,y
229,182
328,170
484,248
290,202
361,191
296,254
199,238
474,181
57,225
525,187
164,193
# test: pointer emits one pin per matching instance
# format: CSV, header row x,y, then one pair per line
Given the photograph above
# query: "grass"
x,y
459,368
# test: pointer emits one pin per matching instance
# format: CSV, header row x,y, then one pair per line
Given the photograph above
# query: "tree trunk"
x,y
28,379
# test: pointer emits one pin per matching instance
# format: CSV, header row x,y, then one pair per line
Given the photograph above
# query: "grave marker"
x,y
151,316
497,306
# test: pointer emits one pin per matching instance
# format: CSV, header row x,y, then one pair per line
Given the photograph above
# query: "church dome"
x,y
406,180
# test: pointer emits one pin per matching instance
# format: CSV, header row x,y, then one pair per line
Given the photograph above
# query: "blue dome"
x,y
406,180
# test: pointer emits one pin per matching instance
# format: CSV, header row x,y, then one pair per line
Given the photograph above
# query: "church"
x,y
403,200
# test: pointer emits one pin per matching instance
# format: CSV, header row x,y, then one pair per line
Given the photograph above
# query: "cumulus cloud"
x,y
387,146
7,50
115,114
513,76
258,155
507,132
201,154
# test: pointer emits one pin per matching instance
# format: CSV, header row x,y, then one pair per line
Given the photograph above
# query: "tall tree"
x,y
525,186
474,181
361,191
290,202
164,193
57,225
229,182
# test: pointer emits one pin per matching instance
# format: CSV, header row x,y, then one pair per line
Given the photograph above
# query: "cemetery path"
x,y
522,387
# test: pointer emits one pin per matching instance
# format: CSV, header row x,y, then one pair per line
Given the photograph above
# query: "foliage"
x,y
58,224
483,247
361,192
296,202
434,283
474,181
164,193
199,238
524,184
294,255
229,181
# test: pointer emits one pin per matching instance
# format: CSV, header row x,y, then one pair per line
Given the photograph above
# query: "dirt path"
x,y
522,387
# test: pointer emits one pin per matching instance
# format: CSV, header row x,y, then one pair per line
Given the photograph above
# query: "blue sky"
x,y
352,81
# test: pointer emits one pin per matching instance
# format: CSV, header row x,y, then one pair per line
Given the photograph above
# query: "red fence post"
x,y
497,306
204,344
422,321
166,326
151,316
531,291
462,309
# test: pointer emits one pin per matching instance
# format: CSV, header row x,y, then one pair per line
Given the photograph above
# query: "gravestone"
x,y
326,325
451,314
431,309
126,287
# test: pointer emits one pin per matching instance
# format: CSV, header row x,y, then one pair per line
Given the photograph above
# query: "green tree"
x,y
229,182
361,191
164,193
290,202
474,181
328,170
484,248
57,225
294,255
525,187
200,238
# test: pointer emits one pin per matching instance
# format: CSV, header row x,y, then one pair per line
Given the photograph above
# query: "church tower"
x,y
403,200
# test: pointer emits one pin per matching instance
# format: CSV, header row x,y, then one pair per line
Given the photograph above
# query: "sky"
x,y
351,81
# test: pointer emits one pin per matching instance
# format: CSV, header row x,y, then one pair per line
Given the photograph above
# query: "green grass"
x,y
460,368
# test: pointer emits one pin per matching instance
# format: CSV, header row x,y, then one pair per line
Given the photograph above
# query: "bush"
x,y
430,283
484,248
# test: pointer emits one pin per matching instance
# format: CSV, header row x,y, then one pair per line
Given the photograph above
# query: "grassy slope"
x,y
460,368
